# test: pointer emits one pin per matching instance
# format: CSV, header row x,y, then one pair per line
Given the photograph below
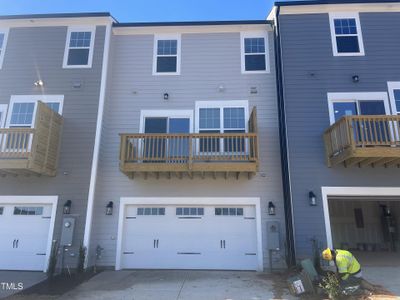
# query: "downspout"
x,y
287,193
97,140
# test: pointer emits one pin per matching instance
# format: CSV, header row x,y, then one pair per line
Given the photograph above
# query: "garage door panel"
x,y
24,236
202,240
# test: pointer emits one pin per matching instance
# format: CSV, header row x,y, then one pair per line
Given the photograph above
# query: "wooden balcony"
x,y
194,153
25,151
364,141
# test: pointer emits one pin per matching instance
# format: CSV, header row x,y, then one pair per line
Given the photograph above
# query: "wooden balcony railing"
x,y
189,153
32,150
364,140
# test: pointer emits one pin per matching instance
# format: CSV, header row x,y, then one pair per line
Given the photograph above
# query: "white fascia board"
x,y
190,29
350,7
48,22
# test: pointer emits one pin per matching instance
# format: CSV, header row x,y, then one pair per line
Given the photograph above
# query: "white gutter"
x,y
96,149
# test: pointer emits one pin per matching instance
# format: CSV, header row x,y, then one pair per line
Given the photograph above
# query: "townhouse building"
x,y
51,73
189,173
339,80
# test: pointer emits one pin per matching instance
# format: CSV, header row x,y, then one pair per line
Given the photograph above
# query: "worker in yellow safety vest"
x,y
347,265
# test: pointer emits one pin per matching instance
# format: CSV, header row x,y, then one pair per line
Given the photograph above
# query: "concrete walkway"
x,y
182,285
11,282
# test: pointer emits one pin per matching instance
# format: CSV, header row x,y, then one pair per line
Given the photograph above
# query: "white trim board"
x,y
350,191
3,110
97,143
71,29
190,29
255,201
168,113
346,15
349,7
352,97
254,34
4,31
53,200
393,85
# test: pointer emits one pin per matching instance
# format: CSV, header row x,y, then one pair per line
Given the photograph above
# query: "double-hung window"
x,y
167,54
21,114
228,117
254,48
79,47
3,43
346,34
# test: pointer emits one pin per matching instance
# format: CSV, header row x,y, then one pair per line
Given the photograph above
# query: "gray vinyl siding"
x,y
37,52
208,60
310,72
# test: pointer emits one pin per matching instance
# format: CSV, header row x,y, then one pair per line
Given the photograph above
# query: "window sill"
x,y
77,67
166,73
349,54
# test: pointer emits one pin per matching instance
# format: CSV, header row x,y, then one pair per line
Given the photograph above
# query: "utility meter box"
x,y
273,235
67,231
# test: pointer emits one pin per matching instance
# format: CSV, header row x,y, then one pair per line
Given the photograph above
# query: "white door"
x,y
189,237
24,236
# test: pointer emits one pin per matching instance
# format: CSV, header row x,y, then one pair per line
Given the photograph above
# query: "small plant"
x,y
53,259
81,258
331,285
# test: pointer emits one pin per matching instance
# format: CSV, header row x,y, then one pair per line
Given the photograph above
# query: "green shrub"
x,y
331,285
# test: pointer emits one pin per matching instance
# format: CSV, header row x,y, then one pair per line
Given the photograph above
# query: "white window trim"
x,y
254,34
53,200
350,191
178,38
33,99
353,97
71,29
221,105
180,201
393,85
3,110
3,49
179,113
346,15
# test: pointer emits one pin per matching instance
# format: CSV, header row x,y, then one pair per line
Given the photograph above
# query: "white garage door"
x,y
189,237
24,236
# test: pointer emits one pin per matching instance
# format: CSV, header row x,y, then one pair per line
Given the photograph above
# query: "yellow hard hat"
x,y
327,254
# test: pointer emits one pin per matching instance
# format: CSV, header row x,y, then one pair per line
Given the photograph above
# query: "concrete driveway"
x,y
12,282
168,285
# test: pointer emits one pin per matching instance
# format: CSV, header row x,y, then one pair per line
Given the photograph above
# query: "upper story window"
x,y
79,47
167,52
346,34
254,48
3,43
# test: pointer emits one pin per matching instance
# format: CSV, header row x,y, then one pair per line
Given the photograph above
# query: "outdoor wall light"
x,y
38,83
67,207
356,78
109,208
271,208
166,96
312,198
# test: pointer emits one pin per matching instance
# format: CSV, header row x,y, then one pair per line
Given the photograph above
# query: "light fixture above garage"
x,y
271,208
312,198
109,208
67,207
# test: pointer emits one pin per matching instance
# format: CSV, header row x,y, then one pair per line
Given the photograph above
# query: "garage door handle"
x,y
224,244
155,243
17,243
14,243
